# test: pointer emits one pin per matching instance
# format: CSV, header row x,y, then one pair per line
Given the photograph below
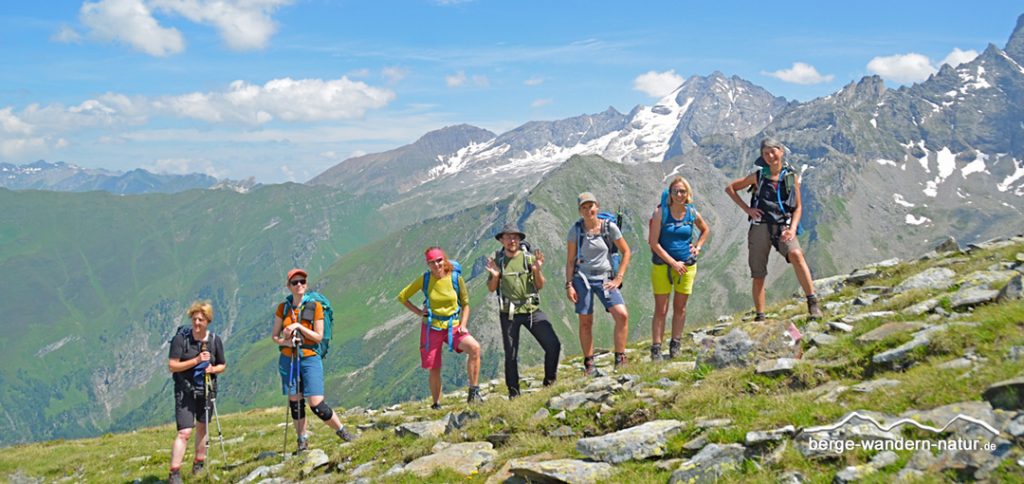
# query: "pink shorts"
x,y
431,358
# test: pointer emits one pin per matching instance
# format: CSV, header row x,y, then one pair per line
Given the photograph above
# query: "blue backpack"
x,y
614,257
456,272
308,312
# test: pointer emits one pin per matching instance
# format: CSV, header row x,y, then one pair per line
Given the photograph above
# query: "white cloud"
x,y
801,73
913,67
286,99
534,81
364,72
393,74
131,22
14,148
184,166
243,24
657,84
459,79
540,103
455,80
66,35
12,124
958,57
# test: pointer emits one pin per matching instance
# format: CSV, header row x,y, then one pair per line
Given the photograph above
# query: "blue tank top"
x,y
676,237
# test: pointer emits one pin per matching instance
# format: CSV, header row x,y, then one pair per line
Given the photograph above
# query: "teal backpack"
x,y
308,313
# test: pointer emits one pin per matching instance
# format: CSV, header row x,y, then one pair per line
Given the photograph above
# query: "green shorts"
x,y
664,279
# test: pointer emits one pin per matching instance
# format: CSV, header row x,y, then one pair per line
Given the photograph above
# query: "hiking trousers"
x,y
539,326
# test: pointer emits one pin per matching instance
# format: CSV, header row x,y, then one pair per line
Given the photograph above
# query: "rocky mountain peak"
x,y
450,139
1015,46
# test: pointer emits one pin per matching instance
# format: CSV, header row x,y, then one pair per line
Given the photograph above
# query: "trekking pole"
x,y
287,405
206,403
216,417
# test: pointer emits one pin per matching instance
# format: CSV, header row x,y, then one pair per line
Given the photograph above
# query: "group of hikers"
x,y
596,263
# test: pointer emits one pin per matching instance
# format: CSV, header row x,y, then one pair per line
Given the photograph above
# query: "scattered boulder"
x,y
949,244
711,423
870,386
921,307
933,278
862,316
456,421
861,276
762,436
562,432
467,458
420,430
570,471
776,367
313,460
1013,290
1007,394
846,328
540,415
709,464
972,296
636,443
888,329
729,350
856,473
498,439
261,472
865,299
827,286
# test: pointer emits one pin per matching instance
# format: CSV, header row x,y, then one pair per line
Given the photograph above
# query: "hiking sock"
x,y
656,352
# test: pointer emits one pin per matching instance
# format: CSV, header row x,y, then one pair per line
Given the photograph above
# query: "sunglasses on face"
x,y
436,261
298,281
679,192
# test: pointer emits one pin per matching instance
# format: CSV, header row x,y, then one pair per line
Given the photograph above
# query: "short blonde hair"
x,y
201,307
689,191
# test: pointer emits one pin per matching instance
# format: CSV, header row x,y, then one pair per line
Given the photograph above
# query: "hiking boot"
x,y
674,347
620,360
513,393
303,444
760,318
548,383
435,406
344,435
656,352
812,307
174,477
474,395
197,466
588,366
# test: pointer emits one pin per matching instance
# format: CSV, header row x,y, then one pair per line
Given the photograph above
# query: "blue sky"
x,y
284,89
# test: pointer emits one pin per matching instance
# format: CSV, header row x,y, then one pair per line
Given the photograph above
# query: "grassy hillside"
x,y
975,347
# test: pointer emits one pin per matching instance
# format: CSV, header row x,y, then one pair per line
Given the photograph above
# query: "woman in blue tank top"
x,y
674,261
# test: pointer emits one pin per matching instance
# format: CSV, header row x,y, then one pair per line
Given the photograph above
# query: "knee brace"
x,y
298,409
323,411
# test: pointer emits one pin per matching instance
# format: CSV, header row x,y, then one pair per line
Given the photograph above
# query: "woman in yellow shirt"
x,y
443,317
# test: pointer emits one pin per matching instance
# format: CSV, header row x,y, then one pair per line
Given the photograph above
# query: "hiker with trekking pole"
x,y
674,261
515,274
443,320
302,335
774,215
593,269
195,358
